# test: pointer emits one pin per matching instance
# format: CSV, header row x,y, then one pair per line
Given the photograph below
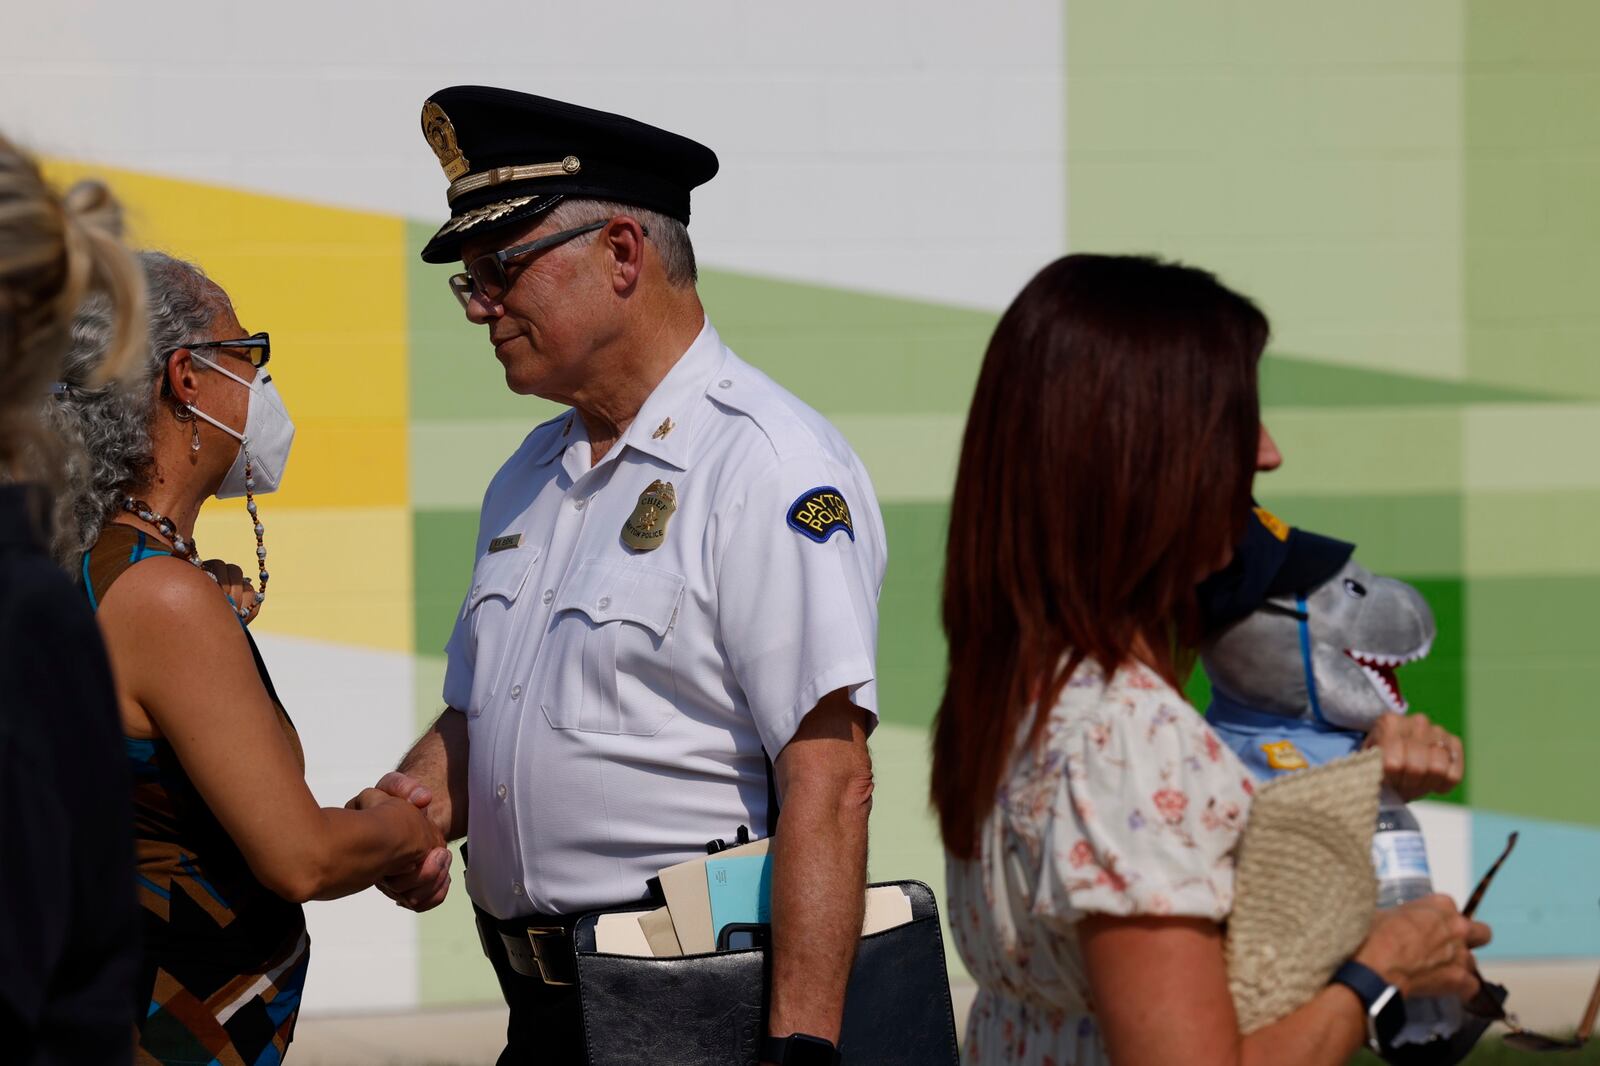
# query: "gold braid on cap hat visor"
x,y
501,175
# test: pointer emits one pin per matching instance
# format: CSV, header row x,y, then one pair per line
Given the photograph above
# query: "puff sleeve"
x,y
1144,814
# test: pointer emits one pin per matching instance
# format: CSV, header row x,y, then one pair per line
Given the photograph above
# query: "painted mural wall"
x,y
1406,189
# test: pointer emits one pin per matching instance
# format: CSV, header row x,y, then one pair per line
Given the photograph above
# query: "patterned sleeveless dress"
x,y
224,957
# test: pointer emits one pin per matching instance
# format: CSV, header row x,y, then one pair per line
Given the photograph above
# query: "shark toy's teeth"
x,y
1380,670
1387,690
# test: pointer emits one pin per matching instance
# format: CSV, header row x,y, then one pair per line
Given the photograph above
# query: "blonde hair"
x,y
55,249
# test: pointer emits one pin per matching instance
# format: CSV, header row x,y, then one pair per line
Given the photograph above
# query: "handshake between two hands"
x,y
1419,758
423,886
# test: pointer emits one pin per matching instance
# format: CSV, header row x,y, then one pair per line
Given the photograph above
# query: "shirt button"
x,y
516,694
605,601
725,383
579,505
516,888
500,791
477,589
549,594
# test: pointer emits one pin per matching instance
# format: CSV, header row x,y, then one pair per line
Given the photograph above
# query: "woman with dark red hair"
x,y
1089,814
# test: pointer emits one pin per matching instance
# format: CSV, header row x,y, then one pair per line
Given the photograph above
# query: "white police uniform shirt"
x,y
619,702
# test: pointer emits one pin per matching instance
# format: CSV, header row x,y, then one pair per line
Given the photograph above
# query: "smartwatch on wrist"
x,y
799,1049
1385,1006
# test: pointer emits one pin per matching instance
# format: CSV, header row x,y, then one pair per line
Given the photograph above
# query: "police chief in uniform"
x,y
676,581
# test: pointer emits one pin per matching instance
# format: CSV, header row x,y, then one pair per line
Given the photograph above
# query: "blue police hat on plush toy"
x,y
1271,560
512,156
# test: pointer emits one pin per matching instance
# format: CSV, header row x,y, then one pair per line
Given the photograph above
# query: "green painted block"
x,y
911,649
453,461
454,373
1310,156
1366,451
451,967
903,837
443,543
427,686
1532,534
1416,534
1436,686
1532,220
450,963
846,352
1531,679
1292,381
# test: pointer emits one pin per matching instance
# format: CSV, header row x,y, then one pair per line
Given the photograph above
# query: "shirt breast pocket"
x,y
497,583
607,665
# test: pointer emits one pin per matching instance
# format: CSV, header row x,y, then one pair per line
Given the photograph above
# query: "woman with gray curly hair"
x,y
230,840
68,921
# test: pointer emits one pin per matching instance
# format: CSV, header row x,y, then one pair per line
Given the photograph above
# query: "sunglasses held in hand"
x,y
1490,1000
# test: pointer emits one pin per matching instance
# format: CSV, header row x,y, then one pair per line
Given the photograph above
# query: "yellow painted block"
x,y
338,574
329,284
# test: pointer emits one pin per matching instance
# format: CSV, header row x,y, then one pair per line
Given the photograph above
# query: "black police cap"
x,y
1271,561
511,156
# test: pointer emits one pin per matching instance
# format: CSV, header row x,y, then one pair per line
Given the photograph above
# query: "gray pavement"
x,y
1544,995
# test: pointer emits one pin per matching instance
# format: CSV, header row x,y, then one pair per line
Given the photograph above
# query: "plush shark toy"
x,y
1302,651
1304,676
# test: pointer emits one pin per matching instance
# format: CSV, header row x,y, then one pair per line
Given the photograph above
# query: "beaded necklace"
x,y
186,549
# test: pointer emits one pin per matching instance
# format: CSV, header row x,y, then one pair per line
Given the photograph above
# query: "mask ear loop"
x,y
1305,660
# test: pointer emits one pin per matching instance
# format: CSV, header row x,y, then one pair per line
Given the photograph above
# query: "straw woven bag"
x,y
1304,890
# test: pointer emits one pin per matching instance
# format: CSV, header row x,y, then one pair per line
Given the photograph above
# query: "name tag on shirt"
x,y
505,543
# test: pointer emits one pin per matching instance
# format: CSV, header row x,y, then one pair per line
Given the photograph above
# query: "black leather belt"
x,y
537,945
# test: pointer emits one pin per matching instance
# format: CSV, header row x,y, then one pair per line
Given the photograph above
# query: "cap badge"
x,y
666,426
441,135
646,528
1275,525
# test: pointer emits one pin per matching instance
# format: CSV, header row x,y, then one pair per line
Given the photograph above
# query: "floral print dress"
x,y
1128,804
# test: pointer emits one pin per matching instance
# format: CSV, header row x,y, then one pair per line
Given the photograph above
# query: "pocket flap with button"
x,y
501,574
624,592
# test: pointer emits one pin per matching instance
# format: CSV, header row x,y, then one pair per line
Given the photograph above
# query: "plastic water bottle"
x,y
1400,859
1399,854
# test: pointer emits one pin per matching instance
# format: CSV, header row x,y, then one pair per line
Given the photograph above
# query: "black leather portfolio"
x,y
711,1010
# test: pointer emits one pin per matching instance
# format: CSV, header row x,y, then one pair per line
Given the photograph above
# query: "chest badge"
x,y
646,528
1283,755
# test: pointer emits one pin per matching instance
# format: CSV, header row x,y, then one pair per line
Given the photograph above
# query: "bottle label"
x,y
1400,855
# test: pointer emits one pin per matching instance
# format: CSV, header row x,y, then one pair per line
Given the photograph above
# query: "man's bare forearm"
x,y
438,760
818,895
819,872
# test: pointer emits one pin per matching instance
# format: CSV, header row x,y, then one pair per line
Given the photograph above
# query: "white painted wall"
x,y
915,149
353,709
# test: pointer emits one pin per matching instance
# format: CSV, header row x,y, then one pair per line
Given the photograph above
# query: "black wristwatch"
x,y
1385,1006
799,1049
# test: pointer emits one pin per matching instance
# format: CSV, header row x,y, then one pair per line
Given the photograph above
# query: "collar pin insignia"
x,y
666,426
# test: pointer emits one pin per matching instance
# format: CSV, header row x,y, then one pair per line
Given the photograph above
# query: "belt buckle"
x,y
536,934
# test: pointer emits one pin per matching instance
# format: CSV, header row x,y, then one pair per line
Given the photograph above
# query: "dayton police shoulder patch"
x,y
821,512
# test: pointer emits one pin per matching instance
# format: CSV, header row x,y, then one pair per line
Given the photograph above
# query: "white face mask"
x,y
264,444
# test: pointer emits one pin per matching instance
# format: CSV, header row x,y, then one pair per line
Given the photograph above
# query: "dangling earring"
x,y
183,414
